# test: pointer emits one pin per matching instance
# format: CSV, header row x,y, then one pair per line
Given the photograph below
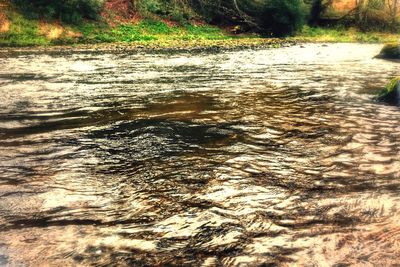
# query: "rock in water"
x,y
390,51
391,94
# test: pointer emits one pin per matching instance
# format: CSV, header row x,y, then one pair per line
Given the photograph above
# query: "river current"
x,y
266,157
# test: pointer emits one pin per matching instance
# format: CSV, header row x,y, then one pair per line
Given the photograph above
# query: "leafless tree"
x,y
393,9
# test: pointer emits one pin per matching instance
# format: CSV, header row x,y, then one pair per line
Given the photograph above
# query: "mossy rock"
x,y
390,51
391,94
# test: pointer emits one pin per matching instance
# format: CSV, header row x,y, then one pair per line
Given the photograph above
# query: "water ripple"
x,y
254,157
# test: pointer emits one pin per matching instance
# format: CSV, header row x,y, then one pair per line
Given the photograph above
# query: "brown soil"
x,y
344,5
119,11
56,30
4,23
51,31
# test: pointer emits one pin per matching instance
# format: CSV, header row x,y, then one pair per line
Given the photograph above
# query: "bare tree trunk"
x,y
317,9
243,15
362,10
392,10
395,11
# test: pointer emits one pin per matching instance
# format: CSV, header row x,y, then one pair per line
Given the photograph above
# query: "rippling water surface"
x,y
236,158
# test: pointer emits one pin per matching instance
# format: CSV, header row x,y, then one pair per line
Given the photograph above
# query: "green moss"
x,y
390,94
390,51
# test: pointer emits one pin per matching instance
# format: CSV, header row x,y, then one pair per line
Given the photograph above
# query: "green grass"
x,y
192,32
26,32
389,94
343,35
149,30
22,32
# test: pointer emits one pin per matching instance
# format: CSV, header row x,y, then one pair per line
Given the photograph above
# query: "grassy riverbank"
x,y
344,35
17,31
21,31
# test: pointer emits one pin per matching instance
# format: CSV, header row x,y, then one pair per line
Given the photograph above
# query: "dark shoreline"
x,y
173,47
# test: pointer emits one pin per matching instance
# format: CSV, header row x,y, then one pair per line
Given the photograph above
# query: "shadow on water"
x,y
151,139
180,105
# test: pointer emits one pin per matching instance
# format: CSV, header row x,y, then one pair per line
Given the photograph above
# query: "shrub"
x,y
176,10
281,17
69,11
269,17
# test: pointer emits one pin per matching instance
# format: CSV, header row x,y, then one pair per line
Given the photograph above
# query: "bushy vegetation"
x,y
378,15
268,17
175,10
367,15
280,17
69,11
38,22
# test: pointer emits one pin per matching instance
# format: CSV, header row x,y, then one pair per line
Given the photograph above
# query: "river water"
x,y
236,158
